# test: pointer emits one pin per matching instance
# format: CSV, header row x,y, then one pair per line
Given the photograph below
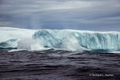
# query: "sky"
x,y
96,15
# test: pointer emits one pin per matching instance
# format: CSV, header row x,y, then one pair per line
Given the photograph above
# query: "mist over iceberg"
x,y
71,40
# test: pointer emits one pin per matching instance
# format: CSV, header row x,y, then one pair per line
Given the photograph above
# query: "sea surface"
x,y
59,65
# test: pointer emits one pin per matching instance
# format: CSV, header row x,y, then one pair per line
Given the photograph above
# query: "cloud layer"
x,y
61,14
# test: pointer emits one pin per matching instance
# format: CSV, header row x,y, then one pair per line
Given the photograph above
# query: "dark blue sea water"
x,y
59,65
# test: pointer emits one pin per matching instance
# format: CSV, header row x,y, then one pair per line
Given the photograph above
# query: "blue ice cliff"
x,y
72,40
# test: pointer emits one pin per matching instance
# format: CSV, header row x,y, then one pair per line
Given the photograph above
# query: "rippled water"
x,y
59,65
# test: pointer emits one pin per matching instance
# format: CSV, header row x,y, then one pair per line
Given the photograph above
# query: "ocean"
x,y
59,65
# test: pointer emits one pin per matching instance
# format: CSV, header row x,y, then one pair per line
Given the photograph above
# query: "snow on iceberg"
x,y
72,40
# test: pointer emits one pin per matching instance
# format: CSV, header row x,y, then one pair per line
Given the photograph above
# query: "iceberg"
x,y
9,37
72,40
76,40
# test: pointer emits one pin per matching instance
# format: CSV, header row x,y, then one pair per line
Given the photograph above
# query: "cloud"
x,y
61,14
19,6
6,23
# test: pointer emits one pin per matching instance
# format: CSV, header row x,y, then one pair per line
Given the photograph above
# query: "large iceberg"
x,y
72,40
76,40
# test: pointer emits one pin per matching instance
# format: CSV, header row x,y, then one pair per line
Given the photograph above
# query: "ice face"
x,y
47,39
12,43
72,40
78,40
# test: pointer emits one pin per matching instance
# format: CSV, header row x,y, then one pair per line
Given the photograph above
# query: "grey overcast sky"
x,y
100,15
